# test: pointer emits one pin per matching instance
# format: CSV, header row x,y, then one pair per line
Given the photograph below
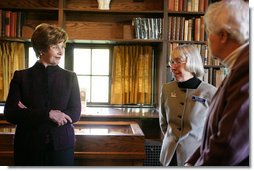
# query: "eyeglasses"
x,y
178,62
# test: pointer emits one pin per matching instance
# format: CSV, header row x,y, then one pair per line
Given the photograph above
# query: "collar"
x,y
192,83
40,66
229,61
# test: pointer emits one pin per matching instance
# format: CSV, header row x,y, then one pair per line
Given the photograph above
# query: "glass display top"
x,y
103,130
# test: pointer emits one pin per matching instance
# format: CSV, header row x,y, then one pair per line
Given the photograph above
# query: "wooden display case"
x,y
97,144
109,144
6,144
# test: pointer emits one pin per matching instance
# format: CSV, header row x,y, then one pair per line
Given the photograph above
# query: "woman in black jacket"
x,y
43,102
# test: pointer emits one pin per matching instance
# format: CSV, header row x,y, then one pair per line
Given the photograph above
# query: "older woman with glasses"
x,y
183,106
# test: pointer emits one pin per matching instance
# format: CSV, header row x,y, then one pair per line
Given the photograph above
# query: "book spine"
x,y
176,8
201,6
13,24
19,25
202,29
197,29
174,28
153,27
156,28
169,27
136,24
190,24
178,20
182,28
160,28
8,23
186,28
171,5
180,5
149,24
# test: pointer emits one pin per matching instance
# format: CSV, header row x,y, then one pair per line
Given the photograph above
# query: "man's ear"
x,y
224,36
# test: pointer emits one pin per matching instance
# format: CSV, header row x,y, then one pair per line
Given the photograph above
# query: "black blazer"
x,y
42,89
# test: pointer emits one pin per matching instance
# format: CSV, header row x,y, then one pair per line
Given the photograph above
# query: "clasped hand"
x,y
59,117
56,116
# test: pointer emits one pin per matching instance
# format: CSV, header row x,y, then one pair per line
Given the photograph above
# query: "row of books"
x,y
204,52
188,5
10,23
148,28
191,29
215,76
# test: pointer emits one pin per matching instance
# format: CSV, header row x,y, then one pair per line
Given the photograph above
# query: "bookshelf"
x,y
184,24
85,23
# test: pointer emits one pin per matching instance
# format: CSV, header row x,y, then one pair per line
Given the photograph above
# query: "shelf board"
x,y
113,11
116,41
14,39
113,41
186,42
31,9
184,13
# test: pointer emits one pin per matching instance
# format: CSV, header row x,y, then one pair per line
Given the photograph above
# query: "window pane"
x,y
32,58
99,89
82,61
100,62
84,86
88,63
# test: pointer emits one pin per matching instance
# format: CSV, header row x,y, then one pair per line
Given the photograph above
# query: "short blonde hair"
x,y
193,59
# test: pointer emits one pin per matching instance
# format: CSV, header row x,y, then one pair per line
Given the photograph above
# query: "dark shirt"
x,y
43,89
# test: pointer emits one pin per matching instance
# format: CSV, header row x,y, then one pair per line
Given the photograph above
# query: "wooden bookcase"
x,y
84,22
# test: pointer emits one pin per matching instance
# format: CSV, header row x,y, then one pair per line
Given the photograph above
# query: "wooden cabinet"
x,y
109,144
147,119
6,144
97,144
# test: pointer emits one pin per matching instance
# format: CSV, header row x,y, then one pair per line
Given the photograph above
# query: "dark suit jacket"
x,y
226,134
41,89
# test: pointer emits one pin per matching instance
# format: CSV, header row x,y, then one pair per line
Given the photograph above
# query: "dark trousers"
x,y
48,157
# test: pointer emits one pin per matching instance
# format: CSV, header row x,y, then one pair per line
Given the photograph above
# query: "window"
x,y
110,75
93,74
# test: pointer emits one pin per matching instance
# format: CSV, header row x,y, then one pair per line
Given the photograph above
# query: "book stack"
x,y
10,24
188,5
148,28
184,29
